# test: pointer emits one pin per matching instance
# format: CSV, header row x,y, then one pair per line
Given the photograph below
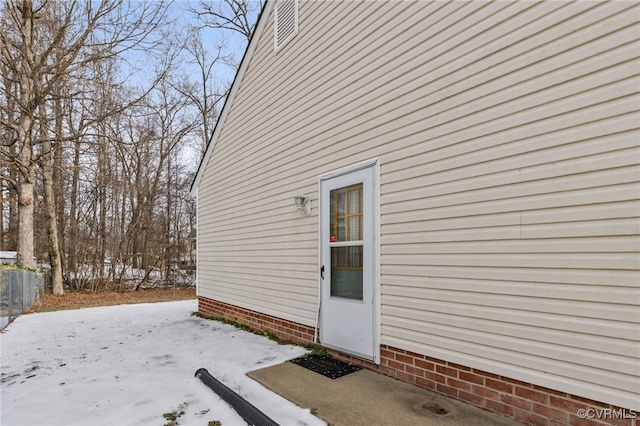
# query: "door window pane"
x,y
345,222
340,202
354,228
346,272
345,206
341,230
354,197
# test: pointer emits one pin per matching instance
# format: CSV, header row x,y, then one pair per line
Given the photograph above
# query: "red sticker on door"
x,y
332,239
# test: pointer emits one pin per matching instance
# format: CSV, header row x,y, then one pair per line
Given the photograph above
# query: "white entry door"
x,y
348,284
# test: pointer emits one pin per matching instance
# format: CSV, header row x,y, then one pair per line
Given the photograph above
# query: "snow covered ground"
x,y
130,365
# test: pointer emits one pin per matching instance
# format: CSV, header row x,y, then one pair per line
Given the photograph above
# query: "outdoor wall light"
x,y
303,204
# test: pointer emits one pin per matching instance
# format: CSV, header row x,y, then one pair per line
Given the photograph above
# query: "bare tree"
x,y
103,154
43,43
232,15
202,87
8,171
47,164
168,122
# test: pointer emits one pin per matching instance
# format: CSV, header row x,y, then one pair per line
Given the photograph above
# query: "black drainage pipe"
x,y
248,412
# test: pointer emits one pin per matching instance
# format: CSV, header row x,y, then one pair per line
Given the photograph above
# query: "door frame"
x,y
373,163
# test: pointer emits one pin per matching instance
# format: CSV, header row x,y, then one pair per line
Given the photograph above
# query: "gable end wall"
x,y
507,134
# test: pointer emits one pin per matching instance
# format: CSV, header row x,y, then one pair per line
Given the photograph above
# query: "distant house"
x,y
8,257
467,178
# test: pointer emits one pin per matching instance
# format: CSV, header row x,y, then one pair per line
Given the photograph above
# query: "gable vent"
x,y
286,22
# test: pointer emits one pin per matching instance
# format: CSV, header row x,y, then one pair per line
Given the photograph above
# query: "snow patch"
x,y
130,364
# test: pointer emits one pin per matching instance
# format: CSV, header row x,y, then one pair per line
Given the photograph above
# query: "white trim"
x,y
347,243
262,23
352,168
316,333
377,321
197,249
377,293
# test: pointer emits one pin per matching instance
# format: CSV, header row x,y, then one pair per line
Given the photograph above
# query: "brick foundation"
x,y
522,401
285,330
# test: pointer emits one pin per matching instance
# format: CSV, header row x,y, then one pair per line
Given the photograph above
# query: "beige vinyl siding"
x,y
508,138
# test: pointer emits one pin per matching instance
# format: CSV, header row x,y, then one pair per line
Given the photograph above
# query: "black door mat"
x,y
325,365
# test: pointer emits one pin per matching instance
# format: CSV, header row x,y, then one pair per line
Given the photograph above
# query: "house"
x,y
445,192
8,257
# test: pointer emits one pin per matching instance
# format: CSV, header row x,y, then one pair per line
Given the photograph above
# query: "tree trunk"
x,y
10,230
53,243
25,224
58,179
104,183
167,230
73,207
52,231
26,200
